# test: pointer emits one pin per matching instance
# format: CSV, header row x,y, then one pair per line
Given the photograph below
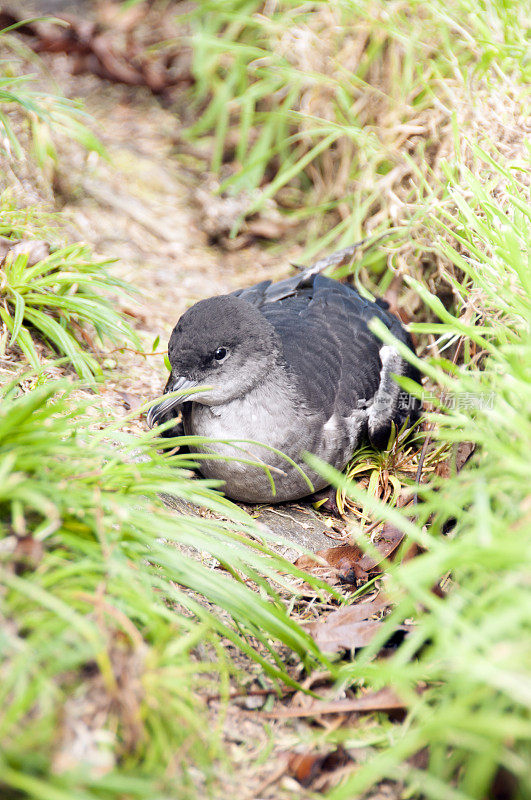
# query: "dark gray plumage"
x,y
292,365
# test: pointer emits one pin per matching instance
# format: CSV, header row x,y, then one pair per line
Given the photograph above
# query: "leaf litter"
x,y
110,46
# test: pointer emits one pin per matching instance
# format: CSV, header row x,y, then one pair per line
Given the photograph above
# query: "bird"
x,y
269,373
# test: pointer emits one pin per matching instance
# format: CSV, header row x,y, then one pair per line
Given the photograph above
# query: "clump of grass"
x,y
61,299
341,111
31,222
49,115
389,474
469,651
105,606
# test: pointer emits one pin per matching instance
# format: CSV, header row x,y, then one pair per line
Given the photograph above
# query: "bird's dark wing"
x,y
295,293
328,347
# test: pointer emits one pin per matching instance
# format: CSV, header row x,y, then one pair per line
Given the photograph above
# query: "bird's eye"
x,y
221,353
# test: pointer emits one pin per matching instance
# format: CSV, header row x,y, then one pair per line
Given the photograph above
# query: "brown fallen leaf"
x,y
306,767
95,49
349,627
420,759
352,564
457,459
28,554
344,559
464,452
504,785
382,700
360,611
331,555
344,635
130,401
460,455
387,543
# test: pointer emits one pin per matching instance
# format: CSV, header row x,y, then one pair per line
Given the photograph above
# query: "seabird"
x,y
288,368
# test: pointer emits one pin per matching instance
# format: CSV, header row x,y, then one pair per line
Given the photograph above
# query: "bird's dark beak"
x,y
159,413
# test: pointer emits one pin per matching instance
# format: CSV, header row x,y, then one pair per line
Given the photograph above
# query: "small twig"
x,y
381,700
246,693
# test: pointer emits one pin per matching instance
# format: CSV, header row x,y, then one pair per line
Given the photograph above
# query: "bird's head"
x,y
223,343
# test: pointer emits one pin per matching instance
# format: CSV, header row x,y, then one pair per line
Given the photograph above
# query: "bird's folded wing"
x,y
328,348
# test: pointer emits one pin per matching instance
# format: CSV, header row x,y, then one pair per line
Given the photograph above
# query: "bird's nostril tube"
x,y
180,383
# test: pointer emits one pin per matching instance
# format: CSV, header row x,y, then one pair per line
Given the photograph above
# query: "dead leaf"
x,y
505,785
387,543
344,635
420,759
349,627
306,767
27,554
36,249
353,566
464,451
343,558
94,48
455,462
457,459
130,401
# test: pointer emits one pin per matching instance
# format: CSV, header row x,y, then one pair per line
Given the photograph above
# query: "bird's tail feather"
x,y
267,292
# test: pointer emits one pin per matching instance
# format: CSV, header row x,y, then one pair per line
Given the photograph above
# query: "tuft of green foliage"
x,y
94,567
469,650
311,92
61,298
49,115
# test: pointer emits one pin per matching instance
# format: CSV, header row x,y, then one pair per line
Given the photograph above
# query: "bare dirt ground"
x,y
140,209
